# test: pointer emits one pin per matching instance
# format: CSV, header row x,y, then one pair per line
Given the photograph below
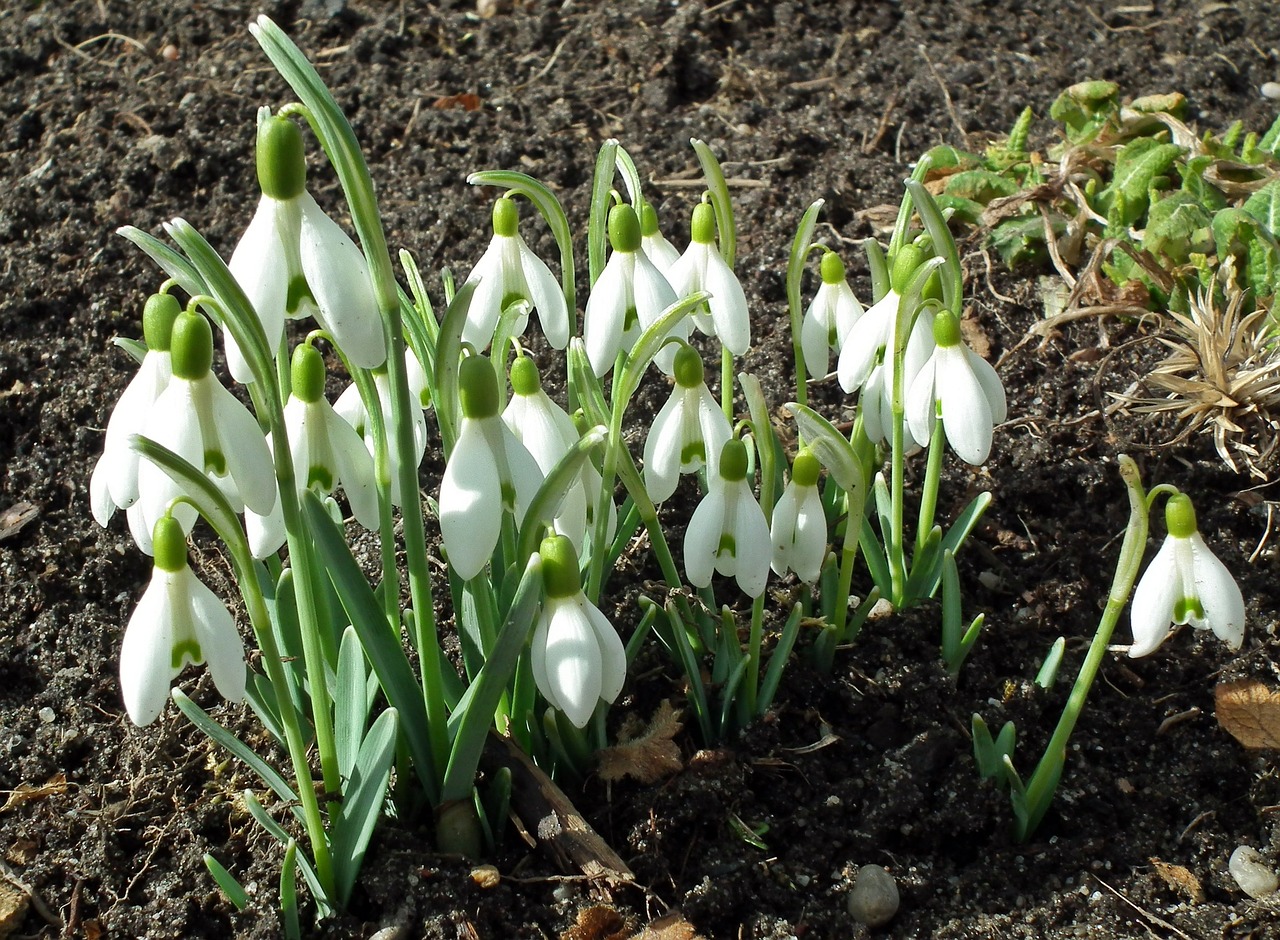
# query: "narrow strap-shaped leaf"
x,y
598,214
778,661
1049,670
289,892
720,201
362,802
697,692
324,905
350,702
800,246
172,263
231,888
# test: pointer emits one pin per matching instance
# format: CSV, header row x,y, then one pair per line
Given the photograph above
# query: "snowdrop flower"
x,y
177,621
1185,583
728,531
488,473
701,268
628,297
114,482
294,260
961,387
326,452
508,271
577,658
661,252
547,432
830,317
798,530
202,422
350,407
690,426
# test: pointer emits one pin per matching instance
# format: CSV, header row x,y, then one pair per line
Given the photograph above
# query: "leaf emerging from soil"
x,y
1249,712
648,756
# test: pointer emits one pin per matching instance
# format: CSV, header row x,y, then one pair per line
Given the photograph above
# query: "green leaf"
x,y
967,211
1049,669
172,263
1138,165
324,904
832,449
350,701
232,888
362,799
720,201
1020,239
1270,142
980,186
1178,225
1085,108
1264,205
944,157
289,892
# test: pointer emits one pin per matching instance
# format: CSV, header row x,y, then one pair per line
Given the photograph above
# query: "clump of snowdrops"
x,y
539,498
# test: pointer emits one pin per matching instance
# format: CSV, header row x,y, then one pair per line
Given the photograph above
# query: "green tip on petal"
x,y
191,346
909,257
805,469
158,316
506,217
282,160
689,370
832,268
733,461
307,375
560,576
1180,516
169,543
946,329
648,220
703,227
524,377
477,388
624,228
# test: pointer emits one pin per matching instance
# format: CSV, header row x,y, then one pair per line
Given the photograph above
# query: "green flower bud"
x,y
282,161
1180,516
648,221
733,461
477,388
688,369
946,329
169,543
560,576
702,229
624,228
909,257
157,321
506,217
307,376
805,469
832,268
524,377
191,346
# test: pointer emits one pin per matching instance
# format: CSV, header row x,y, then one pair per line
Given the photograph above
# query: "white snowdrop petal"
x,y
101,503
728,305
470,503
810,538
751,541
546,295
702,537
713,425
338,276
261,266
220,643
605,317
662,450
245,450
145,652
922,404
174,425
538,656
1219,594
354,467
992,387
265,533
130,416
966,415
814,334
573,661
1151,612
613,655
783,529
486,300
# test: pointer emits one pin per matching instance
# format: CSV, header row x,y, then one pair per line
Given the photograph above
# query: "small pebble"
x,y
1252,873
874,898
485,876
47,715
1271,90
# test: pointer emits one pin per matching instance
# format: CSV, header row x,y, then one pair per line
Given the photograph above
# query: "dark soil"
x,y
120,112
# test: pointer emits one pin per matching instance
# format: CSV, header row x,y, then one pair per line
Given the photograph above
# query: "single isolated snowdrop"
x,y
830,317
577,657
798,530
627,298
326,453
114,482
960,387
690,427
728,532
701,268
547,432
202,422
293,260
1185,583
509,271
661,252
177,621
489,472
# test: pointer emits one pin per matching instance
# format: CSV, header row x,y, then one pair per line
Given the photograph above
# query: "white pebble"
x,y
1270,90
47,715
874,898
1252,873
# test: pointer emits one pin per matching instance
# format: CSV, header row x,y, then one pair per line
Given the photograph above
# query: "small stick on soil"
x,y
869,146
946,96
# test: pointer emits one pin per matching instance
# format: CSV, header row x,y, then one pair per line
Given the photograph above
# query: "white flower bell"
x,y
830,317
202,422
114,483
701,268
488,473
690,427
728,532
1185,583
627,298
177,621
509,271
577,657
661,252
293,260
798,530
962,388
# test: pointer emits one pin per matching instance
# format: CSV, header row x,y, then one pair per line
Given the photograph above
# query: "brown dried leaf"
x,y
599,922
1180,880
25,793
13,907
671,926
1249,712
648,757
16,517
